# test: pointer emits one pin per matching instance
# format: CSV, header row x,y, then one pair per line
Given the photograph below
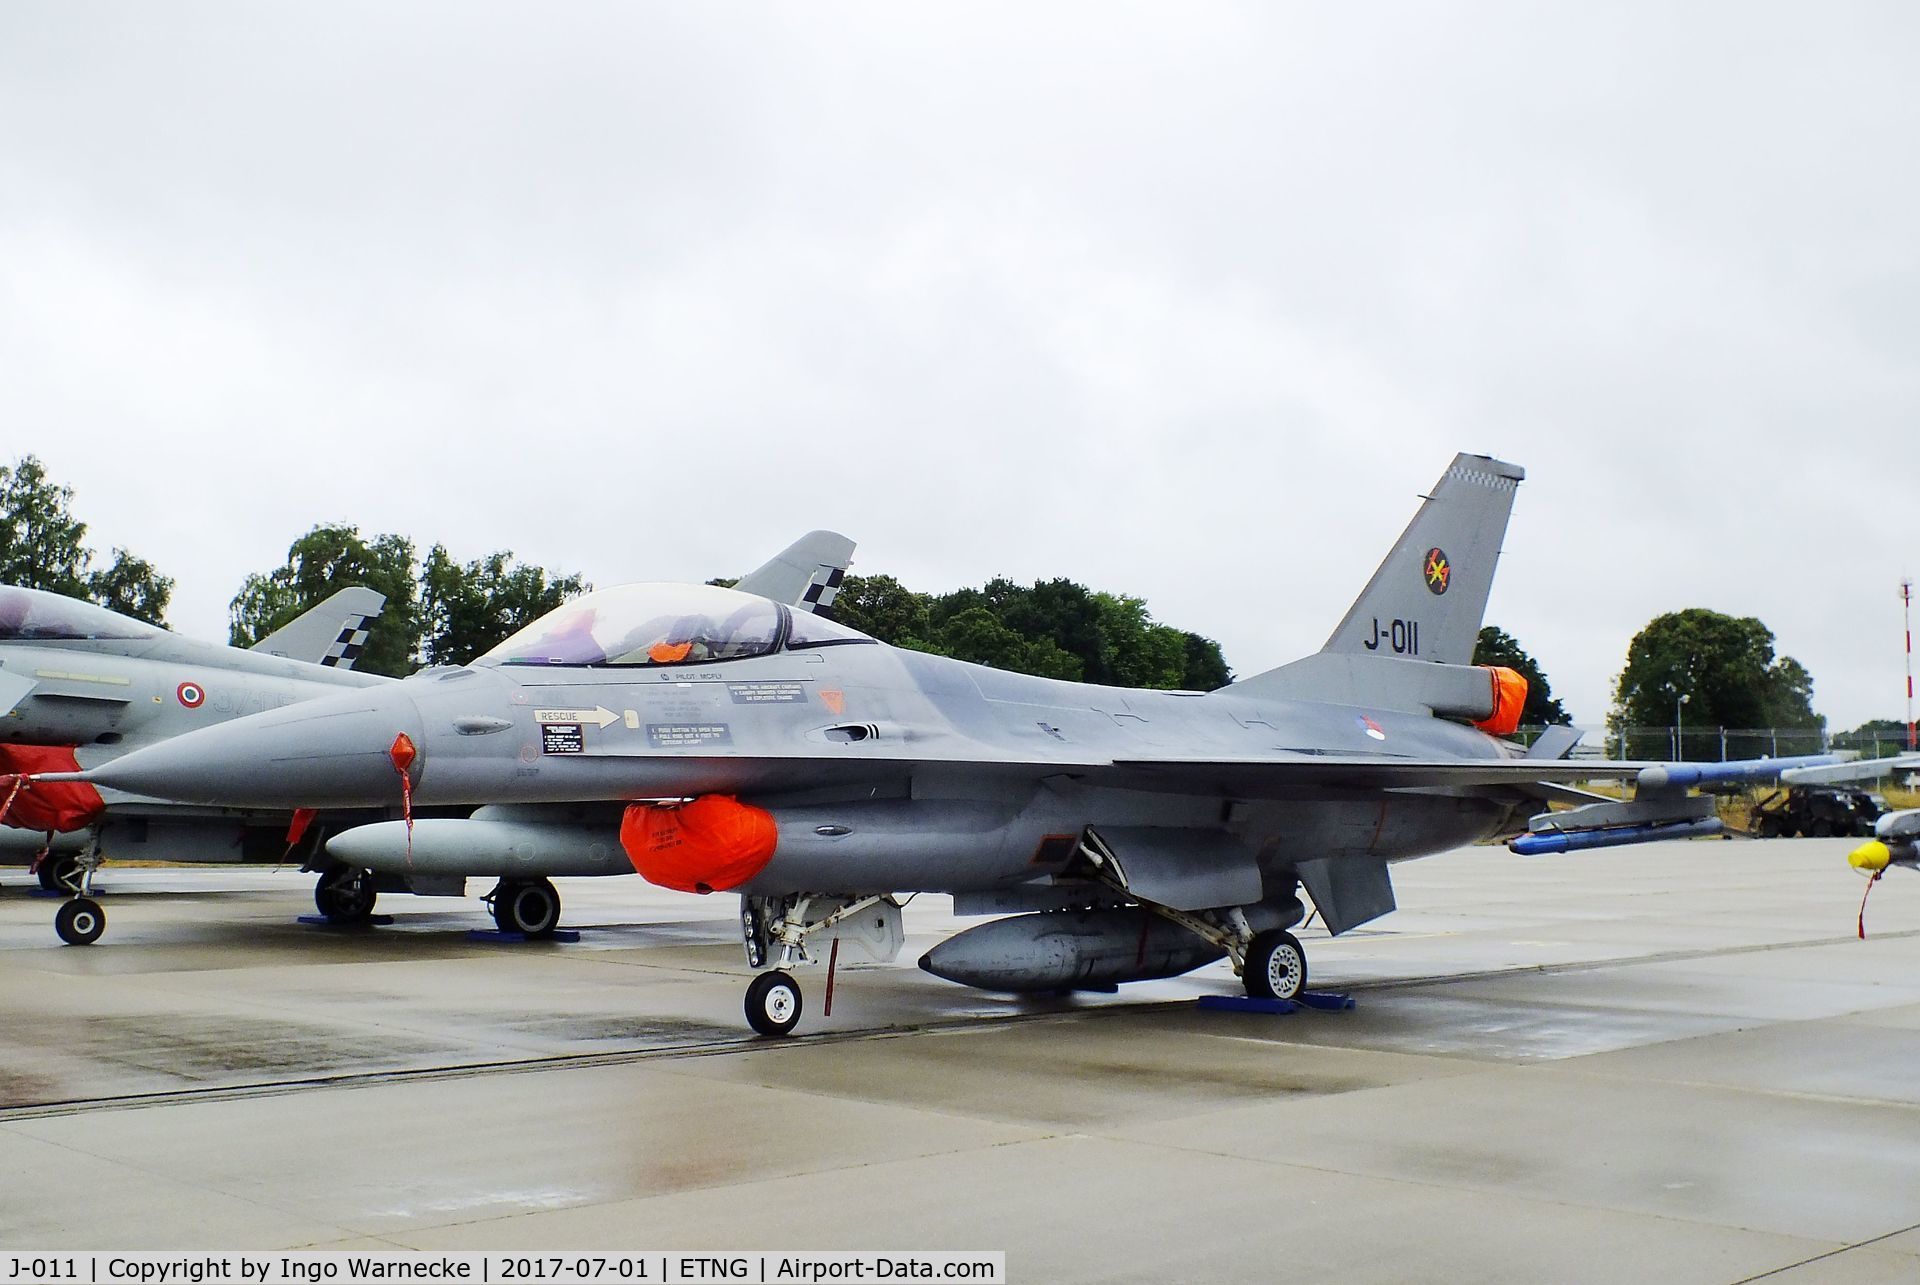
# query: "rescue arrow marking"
x,y
599,716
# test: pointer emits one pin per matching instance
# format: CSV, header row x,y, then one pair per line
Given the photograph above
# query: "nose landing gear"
x,y
774,1002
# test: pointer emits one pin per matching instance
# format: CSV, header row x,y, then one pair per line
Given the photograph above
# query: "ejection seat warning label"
x,y
767,693
670,735
561,738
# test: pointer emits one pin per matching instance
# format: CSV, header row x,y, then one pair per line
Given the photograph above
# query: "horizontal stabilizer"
x,y
1555,743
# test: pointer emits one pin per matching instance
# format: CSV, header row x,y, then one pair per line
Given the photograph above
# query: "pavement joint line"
x,y
1831,1253
516,1066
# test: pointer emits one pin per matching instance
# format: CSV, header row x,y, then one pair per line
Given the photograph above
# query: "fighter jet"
x,y
718,742
81,685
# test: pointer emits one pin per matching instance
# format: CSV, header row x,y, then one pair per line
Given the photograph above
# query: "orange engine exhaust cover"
x,y
709,845
1509,698
48,805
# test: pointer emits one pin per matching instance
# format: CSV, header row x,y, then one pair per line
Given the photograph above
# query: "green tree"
x,y
133,587
466,608
1206,667
41,548
321,562
1498,647
1725,667
881,607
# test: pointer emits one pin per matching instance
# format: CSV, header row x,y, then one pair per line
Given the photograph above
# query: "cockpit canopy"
x,y
642,625
34,615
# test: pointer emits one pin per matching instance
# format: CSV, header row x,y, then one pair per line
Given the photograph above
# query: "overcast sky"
x,y
1185,301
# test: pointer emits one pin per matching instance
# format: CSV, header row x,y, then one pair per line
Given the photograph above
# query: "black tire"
x,y
80,921
1767,826
773,1004
1276,966
61,872
346,896
1819,828
530,907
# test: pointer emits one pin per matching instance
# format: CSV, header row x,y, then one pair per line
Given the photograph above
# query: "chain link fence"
x,y
1717,744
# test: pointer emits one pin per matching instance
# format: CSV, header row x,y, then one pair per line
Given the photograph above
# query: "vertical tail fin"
x,y
329,633
806,574
1425,604
1428,599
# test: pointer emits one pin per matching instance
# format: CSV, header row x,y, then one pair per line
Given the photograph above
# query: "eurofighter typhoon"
x,y
720,742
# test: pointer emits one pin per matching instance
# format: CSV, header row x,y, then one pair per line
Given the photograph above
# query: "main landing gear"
x,y
60,872
345,895
1275,966
774,1002
529,907
1270,961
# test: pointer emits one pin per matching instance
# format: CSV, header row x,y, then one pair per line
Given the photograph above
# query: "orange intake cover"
x,y
709,845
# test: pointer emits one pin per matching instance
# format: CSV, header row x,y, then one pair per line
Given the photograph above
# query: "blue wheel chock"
x,y
321,921
1325,1001
497,937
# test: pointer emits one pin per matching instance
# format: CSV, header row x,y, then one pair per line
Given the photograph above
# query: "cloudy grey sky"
x,y
1188,301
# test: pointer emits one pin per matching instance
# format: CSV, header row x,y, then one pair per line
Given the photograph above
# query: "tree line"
x,y
441,610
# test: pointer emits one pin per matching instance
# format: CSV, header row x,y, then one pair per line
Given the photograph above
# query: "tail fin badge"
x,y
1437,570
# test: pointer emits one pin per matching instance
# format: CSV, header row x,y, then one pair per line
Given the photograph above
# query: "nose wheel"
x,y
773,1004
80,921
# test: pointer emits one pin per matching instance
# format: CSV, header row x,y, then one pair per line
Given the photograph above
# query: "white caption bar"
x,y
652,1266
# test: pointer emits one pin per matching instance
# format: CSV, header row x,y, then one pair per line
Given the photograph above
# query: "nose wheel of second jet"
x,y
773,1004
80,921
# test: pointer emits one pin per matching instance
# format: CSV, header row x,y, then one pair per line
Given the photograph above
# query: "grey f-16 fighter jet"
x,y
719,742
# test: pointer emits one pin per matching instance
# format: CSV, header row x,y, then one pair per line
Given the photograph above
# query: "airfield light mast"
x,y
1906,609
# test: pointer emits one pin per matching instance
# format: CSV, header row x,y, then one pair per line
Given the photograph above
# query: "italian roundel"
x,y
191,694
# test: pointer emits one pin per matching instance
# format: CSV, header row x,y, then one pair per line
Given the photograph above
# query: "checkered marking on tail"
x,y
823,588
345,649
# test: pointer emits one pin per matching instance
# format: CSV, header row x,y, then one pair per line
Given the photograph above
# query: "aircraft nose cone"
x,y
330,752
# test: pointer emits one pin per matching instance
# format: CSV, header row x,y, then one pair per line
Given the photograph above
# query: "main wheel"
x,y
61,872
80,921
530,907
1276,966
346,896
773,1004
